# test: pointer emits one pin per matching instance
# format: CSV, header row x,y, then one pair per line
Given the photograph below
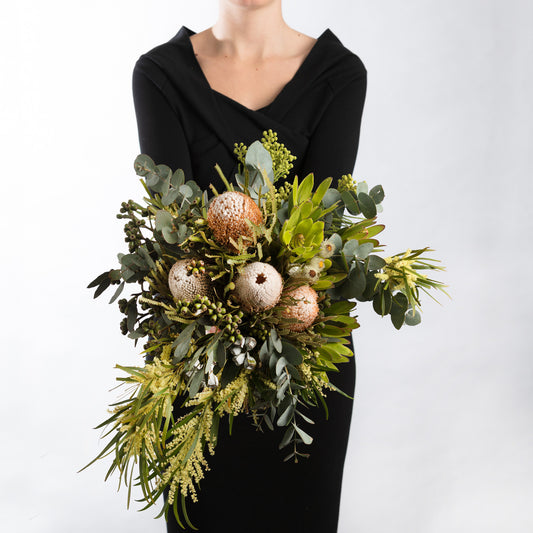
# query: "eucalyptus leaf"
x,y
367,205
362,186
196,381
186,191
331,197
350,202
375,262
377,194
178,178
304,436
276,341
363,250
163,219
286,416
143,164
291,353
119,290
350,249
413,319
182,343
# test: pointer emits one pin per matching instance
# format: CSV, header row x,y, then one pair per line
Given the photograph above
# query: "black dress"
x,y
183,123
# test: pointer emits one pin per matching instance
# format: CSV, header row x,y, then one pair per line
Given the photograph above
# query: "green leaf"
x,y
186,191
305,189
170,197
367,205
291,353
182,343
120,288
382,302
143,164
163,219
131,313
413,318
259,157
375,262
355,283
362,186
280,365
304,436
276,341
350,249
331,197
286,417
170,235
195,383
287,436
178,178
398,308
363,250
350,202
321,191
339,308
377,194
98,280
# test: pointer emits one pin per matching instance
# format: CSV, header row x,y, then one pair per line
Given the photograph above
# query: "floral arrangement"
x,y
245,298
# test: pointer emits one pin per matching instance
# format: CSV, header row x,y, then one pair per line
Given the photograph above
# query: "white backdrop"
x,y
442,428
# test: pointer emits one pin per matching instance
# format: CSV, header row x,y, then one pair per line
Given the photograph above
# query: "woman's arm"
x,y
160,130
333,146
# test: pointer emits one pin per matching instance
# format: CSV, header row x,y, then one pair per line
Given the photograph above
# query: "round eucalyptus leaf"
x,y
412,318
331,196
367,205
377,194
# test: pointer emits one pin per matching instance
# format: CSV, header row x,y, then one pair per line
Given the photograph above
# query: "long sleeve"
x,y
332,149
160,130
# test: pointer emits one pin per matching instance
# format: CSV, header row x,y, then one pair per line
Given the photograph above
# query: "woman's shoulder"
x,y
338,59
166,59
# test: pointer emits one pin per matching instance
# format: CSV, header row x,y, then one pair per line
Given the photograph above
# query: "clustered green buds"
x,y
347,183
196,267
132,229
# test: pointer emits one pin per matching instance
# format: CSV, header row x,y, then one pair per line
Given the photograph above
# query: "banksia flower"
x,y
304,308
258,287
227,216
185,285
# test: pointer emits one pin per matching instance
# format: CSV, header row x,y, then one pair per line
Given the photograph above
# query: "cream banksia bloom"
x,y
258,287
227,217
304,308
184,285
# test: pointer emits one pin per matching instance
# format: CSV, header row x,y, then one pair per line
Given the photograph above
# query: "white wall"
x,y
441,433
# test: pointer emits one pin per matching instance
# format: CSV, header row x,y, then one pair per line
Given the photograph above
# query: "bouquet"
x,y
245,299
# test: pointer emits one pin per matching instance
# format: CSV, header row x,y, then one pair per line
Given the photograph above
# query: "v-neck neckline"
x,y
296,76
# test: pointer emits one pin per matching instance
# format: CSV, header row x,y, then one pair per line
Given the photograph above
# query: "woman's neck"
x,y
251,32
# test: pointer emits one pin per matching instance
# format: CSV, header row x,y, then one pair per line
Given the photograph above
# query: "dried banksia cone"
x,y
184,285
227,215
305,308
258,287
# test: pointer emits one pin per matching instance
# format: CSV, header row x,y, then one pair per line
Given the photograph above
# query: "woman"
x,y
195,96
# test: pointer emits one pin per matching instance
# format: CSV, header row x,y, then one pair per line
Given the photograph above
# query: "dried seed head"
x,y
305,307
258,287
184,285
227,217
